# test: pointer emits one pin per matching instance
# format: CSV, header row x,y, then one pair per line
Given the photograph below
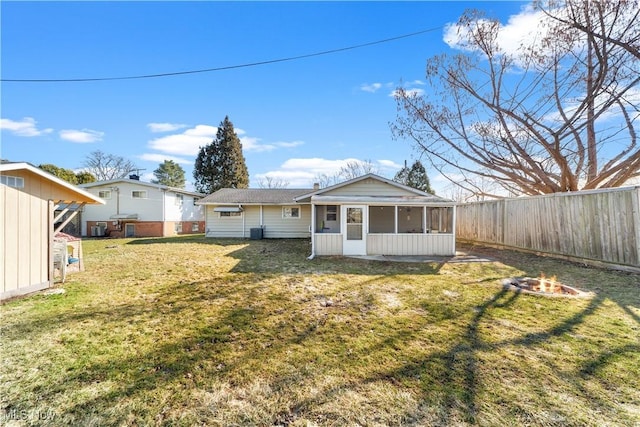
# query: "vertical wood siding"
x,y
328,244
601,225
410,244
24,235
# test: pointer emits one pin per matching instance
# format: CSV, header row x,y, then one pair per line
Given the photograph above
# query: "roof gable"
x,y
141,183
369,185
68,191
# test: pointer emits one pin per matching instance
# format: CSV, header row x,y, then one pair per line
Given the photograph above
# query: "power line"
x,y
228,67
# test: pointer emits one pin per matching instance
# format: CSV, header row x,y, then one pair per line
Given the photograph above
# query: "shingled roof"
x,y
254,196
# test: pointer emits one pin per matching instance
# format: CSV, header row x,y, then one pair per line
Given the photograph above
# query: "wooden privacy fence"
x,y
598,226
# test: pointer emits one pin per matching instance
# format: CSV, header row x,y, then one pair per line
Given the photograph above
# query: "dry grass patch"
x,y
193,331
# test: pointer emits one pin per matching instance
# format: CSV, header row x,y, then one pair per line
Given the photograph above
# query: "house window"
x,y
12,181
139,194
178,227
291,212
332,213
229,214
195,227
179,199
105,194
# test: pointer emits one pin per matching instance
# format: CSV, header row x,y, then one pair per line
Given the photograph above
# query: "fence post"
x,y
635,212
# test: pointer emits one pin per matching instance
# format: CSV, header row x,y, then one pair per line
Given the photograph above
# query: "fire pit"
x,y
544,286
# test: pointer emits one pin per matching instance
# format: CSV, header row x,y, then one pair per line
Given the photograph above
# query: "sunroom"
x,y
391,219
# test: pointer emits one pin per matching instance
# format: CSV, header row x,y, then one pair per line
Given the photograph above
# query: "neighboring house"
x,y
29,200
141,209
369,215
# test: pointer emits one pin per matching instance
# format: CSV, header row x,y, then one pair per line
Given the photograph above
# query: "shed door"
x,y
354,235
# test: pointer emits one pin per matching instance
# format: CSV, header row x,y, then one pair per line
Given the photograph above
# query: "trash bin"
x,y
256,234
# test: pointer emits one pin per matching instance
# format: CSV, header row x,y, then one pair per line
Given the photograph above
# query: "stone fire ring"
x,y
544,287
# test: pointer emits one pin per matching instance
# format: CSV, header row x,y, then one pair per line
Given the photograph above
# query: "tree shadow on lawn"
x,y
208,352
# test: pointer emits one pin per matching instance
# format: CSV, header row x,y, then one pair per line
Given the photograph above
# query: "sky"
x,y
296,118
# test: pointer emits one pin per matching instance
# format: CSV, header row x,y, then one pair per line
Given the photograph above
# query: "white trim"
x,y
227,209
291,216
44,174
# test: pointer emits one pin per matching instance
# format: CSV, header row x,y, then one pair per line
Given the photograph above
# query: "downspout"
x,y
164,207
313,232
261,218
453,228
243,221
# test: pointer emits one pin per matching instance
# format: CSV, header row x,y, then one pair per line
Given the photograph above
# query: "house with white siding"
x,y
368,215
141,209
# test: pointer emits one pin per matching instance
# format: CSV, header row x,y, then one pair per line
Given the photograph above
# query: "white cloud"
x,y
408,92
301,172
253,144
521,30
291,144
373,87
27,127
84,136
160,158
389,164
165,127
186,143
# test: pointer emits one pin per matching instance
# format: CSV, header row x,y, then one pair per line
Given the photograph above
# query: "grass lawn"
x,y
193,331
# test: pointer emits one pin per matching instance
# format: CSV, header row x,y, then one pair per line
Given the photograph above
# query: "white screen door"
x,y
354,219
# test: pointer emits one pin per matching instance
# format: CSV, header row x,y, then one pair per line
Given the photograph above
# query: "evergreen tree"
x,y
169,173
402,175
417,178
414,176
221,163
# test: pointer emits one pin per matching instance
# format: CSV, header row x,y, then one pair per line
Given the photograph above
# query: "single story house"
x,y
368,215
135,208
34,206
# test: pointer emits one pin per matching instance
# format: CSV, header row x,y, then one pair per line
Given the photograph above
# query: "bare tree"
x,y
352,169
107,166
272,182
559,114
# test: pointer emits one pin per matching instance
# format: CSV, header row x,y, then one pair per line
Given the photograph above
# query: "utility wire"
x,y
229,67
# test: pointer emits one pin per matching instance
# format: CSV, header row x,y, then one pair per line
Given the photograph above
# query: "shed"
x,y
29,199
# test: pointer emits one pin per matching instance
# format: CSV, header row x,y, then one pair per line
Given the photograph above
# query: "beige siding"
x,y
410,244
328,244
275,226
24,235
217,226
369,187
